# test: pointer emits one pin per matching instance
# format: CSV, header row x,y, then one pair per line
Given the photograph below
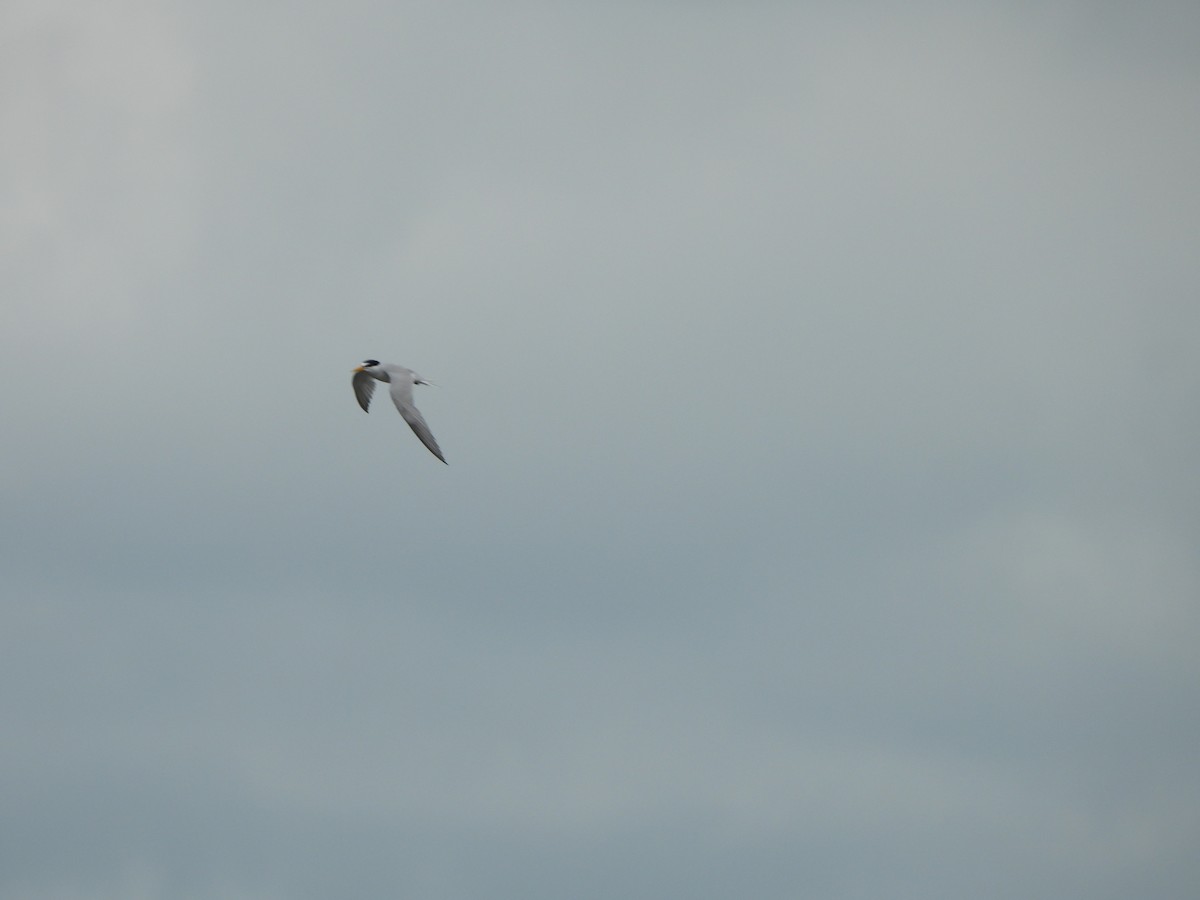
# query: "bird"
x,y
400,381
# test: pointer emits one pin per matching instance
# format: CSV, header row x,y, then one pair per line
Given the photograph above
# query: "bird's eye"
x,y
370,362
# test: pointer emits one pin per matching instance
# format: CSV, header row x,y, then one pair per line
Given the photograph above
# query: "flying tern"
x,y
400,382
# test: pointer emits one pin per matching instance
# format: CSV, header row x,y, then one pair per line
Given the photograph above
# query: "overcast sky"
x,y
820,389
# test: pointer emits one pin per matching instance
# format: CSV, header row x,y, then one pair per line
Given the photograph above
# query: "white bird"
x,y
401,381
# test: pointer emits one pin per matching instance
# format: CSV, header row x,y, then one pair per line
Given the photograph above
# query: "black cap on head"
x,y
370,362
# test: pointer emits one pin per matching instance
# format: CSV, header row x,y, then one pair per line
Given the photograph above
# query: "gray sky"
x,y
820,392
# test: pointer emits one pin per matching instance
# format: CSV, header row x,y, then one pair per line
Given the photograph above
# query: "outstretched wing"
x,y
364,386
402,390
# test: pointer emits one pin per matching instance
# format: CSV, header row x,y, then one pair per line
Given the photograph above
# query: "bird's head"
x,y
372,367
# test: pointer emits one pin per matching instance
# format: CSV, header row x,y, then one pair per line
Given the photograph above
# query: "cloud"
x,y
818,395
99,167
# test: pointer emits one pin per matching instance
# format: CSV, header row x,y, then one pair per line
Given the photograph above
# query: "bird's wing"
x,y
364,386
402,390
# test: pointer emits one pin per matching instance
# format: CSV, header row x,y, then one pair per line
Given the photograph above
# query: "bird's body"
x,y
400,383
